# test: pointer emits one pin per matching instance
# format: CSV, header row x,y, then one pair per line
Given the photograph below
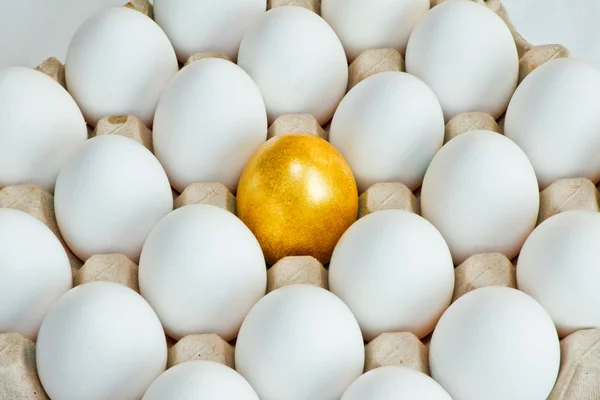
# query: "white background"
x,y
33,30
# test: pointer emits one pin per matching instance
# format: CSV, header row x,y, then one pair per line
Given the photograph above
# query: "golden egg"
x,y
297,195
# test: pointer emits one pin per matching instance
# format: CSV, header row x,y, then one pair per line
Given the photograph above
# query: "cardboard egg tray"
x,y
579,351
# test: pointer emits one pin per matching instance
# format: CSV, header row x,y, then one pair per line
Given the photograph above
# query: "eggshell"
x,y
204,380
297,61
34,271
394,270
119,62
108,197
202,270
467,55
208,123
558,266
195,26
373,24
395,383
554,118
300,342
100,341
481,192
388,128
495,343
40,127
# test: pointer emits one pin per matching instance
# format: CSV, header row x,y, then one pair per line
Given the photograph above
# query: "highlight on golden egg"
x,y
298,196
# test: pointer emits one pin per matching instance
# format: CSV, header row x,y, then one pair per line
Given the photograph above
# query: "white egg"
x,y
208,123
196,26
119,62
100,341
394,270
40,127
558,266
467,55
34,272
395,383
481,192
373,24
300,342
202,270
204,380
108,197
495,343
388,128
554,118
297,61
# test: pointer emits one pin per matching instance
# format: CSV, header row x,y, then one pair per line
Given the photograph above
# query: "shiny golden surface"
x,y
298,195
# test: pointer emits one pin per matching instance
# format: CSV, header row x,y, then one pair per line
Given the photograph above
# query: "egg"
x,y
196,26
298,196
394,270
558,267
467,55
297,61
388,128
204,380
300,342
108,197
481,192
553,117
495,343
395,383
40,127
118,62
100,341
368,24
202,270
208,123
35,272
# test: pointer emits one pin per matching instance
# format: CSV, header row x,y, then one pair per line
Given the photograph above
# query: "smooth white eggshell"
x,y
394,270
208,123
34,272
119,62
300,342
388,128
100,341
108,197
495,343
40,127
202,270
195,26
297,61
373,24
194,380
395,383
481,192
467,55
558,266
554,118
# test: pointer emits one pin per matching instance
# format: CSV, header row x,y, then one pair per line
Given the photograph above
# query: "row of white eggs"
x,y
201,270
388,128
112,192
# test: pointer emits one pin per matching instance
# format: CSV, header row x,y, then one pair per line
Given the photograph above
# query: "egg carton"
x,y
393,348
